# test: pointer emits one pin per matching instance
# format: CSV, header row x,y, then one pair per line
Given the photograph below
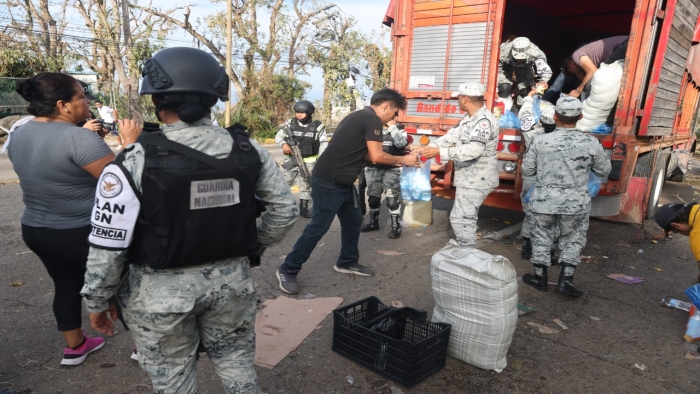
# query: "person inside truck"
x,y
584,62
472,146
527,62
682,219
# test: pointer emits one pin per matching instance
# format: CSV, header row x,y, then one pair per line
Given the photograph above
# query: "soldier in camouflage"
x,y
529,64
561,162
472,147
530,130
386,178
310,136
172,310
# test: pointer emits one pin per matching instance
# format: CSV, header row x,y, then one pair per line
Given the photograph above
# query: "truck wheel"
x,y
643,169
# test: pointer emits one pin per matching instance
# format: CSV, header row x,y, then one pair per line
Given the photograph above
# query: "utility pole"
x,y
127,49
229,44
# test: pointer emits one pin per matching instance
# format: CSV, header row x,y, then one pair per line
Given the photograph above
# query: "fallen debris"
x,y
396,304
390,252
640,251
310,296
107,365
657,269
25,252
641,367
16,283
560,324
626,279
284,323
350,380
524,309
689,356
506,222
543,329
594,318
417,235
654,241
395,390
516,365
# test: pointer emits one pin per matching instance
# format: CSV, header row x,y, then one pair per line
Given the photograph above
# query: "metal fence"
x,y
11,103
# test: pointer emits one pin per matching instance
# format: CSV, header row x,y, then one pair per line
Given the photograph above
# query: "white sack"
x,y
605,88
477,293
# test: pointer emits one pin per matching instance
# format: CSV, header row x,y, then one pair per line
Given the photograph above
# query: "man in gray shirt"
x,y
584,62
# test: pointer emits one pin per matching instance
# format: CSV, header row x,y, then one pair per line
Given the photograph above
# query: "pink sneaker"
x,y
77,356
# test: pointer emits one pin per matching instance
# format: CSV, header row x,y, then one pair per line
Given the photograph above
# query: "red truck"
x,y
438,44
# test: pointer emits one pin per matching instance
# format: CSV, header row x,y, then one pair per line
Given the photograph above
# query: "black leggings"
x,y
64,254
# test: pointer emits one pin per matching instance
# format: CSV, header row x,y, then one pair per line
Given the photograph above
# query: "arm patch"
x,y
481,131
115,211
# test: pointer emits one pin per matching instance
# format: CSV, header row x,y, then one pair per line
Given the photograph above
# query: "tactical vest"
x,y
195,208
389,147
306,137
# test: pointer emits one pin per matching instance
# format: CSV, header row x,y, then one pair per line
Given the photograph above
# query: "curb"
x,y
269,141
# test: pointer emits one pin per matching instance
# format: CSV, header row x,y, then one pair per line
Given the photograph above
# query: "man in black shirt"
x,y
357,139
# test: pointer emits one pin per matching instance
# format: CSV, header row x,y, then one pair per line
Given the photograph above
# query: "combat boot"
x,y
565,285
526,252
373,224
395,231
304,209
539,280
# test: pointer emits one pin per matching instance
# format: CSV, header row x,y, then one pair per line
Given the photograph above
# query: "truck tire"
x,y
643,169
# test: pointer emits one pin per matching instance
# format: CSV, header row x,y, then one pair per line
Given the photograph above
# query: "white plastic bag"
x,y
477,293
605,88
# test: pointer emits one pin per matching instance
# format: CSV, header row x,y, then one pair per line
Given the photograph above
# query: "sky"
x,y
368,13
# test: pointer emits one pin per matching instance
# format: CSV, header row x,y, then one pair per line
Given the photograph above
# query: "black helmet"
x,y
304,106
183,71
667,214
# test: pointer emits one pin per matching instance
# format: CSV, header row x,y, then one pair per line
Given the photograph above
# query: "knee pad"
x,y
374,202
392,203
504,90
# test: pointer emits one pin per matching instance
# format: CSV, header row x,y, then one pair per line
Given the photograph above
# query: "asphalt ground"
x,y
612,328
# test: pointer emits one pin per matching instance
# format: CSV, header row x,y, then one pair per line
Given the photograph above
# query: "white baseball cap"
x,y
473,89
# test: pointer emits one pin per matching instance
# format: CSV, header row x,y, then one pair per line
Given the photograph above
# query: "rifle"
x,y
297,157
362,186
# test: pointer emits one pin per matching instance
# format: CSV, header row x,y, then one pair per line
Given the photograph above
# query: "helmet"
x,y
667,214
304,106
182,71
546,112
520,48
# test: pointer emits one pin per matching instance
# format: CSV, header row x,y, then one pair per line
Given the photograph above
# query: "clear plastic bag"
x,y
509,120
593,184
415,183
536,111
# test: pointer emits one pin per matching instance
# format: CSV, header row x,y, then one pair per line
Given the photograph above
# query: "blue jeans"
x,y
329,199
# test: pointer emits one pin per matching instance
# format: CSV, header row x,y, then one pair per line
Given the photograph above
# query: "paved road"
x,y
612,328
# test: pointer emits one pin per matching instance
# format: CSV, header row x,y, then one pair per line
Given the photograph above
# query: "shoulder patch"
x,y
526,122
481,131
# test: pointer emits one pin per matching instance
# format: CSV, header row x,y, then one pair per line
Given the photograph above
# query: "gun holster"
x,y
290,163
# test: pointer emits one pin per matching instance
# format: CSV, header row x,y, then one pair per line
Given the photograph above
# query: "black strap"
x,y
158,139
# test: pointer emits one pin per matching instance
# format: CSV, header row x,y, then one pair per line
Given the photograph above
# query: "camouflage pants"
x,y
387,180
528,221
572,237
465,213
170,311
293,173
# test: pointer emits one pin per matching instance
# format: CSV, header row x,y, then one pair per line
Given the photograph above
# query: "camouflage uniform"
x,y
561,162
385,178
170,311
529,131
472,147
293,173
527,73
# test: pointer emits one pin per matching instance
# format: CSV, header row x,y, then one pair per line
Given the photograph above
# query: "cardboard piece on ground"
x,y
630,280
284,323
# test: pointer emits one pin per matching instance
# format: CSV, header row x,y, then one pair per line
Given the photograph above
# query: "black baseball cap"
x,y
667,214
86,90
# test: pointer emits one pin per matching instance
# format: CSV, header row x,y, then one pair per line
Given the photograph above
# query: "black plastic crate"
x,y
408,353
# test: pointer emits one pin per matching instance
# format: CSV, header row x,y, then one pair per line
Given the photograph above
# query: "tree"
x,y
115,54
33,38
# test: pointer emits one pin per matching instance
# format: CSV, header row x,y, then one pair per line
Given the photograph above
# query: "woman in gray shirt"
x,y
58,164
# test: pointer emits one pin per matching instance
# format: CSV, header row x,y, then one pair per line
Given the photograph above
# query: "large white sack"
x,y
477,293
605,88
